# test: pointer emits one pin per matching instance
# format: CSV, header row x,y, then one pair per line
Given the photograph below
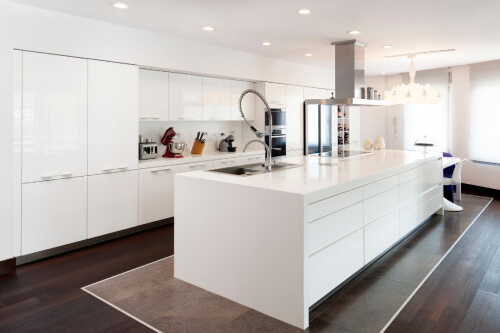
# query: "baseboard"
x,y
490,192
7,267
88,242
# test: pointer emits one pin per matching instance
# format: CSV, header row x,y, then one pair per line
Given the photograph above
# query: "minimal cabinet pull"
x,y
161,170
111,169
194,166
149,118
61,175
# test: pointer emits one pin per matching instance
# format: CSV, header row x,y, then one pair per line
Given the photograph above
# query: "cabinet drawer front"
x,y
54,213
226,162
330,267
252,159
330,205
156,193
381,234
380,186
420,171
197,166
330,228
113,202
381,204
417,210
421,184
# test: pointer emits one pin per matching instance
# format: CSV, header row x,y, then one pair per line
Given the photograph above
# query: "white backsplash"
x,y
187,132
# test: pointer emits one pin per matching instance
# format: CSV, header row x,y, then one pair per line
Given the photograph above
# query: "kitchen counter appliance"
x,y
174,149
147,149
227,144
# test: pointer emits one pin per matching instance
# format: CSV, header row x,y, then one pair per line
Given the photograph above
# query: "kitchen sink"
x,y
253,169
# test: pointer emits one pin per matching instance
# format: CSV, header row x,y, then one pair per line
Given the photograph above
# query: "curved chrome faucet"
x,y
268,162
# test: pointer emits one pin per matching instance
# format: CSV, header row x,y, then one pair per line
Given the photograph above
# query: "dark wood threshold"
x,y
481,191
88,242
7,267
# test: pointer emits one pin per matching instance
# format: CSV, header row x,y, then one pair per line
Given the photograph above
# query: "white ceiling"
x,y
470,27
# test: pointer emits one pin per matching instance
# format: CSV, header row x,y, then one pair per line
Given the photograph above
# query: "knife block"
x,y
197,147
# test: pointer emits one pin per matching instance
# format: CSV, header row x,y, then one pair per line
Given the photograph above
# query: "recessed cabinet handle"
x,y
111,169
194,166
149,118
167,169
61,175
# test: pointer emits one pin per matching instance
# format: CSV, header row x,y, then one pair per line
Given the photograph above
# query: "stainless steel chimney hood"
x,y
349,76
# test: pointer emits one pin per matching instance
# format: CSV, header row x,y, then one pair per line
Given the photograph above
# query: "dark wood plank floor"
x,y
45,296
463,294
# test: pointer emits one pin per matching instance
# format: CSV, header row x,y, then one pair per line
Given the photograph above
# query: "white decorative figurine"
x,y
378,143
368,145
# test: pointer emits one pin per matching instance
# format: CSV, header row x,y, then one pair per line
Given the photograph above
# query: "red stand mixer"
x,y
174,149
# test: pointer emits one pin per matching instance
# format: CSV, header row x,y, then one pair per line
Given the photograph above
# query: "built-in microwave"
x,y
279,117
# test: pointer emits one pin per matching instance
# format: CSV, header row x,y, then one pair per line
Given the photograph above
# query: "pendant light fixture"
x,y
413,93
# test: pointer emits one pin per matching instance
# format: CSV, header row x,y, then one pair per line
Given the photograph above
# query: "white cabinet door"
x,y
381,234
216,99
113,112
186,97
54,213
113,202
315,93
294,118
196,166
156,193
237,88
54,126
153,95
275,94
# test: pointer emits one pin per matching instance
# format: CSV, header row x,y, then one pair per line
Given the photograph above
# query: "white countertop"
x,y
311,177
193,158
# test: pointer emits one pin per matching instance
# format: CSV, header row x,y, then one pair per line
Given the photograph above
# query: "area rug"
x,y
151,295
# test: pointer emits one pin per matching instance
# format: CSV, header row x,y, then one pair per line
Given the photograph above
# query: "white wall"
x,y
472,173
34,29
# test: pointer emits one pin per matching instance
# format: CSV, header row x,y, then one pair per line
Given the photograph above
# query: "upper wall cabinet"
x,y
216,99
316,93
275,94
54,126
153,95
186,97
237,88
112,117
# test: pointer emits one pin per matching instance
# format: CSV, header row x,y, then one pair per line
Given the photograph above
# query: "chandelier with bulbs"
x,y
413,93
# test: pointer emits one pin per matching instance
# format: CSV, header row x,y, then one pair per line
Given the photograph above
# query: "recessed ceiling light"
x,y
387,46
304,11
353,32
120,5
266,43
208,28
308,55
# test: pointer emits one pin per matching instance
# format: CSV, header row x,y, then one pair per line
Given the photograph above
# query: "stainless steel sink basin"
x,y
253,169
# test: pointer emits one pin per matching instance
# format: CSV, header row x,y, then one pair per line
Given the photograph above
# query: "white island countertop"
x,y
312,177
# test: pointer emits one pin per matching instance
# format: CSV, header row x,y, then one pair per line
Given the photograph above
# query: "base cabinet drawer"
x,y
330,228
227,163
380,204
381,234
54,213
331,266
113,202
156,193
417,210
251,159
196,166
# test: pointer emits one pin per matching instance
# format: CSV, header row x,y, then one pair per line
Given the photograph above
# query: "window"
x,y
485,112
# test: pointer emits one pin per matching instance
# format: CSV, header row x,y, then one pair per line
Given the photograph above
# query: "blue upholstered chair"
x,y
448,173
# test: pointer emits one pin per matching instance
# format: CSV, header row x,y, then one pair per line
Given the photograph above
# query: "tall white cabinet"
x,y
294,120
54,117
112,117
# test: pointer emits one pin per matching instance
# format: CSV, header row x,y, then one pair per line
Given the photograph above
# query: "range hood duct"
x,y
349,76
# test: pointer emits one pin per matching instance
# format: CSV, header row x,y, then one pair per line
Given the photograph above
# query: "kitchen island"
x,y
280,242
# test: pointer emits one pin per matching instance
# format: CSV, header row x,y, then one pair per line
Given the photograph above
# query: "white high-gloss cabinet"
x,y
156,193
294,118
275,94
153,95
54,127
216,99
237,88
113,202
196,166
315,93
186,97
112,117
54,213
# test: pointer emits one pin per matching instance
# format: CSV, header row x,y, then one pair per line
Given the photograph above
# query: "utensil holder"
x,y
197,147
